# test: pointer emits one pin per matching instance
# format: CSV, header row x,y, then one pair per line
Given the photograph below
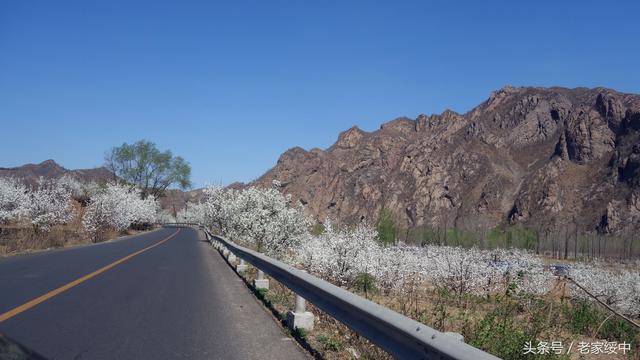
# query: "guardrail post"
x,y
300,318
242,267
261,282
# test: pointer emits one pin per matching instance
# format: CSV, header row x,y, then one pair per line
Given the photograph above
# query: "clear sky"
x,y
231,85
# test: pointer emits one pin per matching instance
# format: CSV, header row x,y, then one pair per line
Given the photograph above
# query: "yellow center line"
x,y
28,305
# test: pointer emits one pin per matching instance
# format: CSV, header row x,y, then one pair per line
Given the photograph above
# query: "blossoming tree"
x,y
13,199
262,218
49,204
117,207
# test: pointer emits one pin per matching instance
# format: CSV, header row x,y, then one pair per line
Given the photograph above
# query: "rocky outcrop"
x,y
538,156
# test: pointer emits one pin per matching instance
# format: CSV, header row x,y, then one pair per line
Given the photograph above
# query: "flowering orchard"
x,y
117,207
619,288
13,199
262,218
266,220
50,203
339,256
47,205
498,299
80,191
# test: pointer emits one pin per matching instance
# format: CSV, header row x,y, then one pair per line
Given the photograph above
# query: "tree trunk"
x,y
566,243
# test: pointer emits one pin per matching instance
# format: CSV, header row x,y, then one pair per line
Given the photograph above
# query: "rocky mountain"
x,y
49,169
544,157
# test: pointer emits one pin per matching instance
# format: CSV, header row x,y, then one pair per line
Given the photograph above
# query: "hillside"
x,y
175,200
49,169
543,157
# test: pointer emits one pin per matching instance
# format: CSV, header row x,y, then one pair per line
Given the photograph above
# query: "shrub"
x,y
616,329
365,283
317,229
582,317
300,333
330,343
499,334
386,227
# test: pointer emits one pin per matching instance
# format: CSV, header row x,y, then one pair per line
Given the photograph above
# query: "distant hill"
x,y
49,169
174,200
544,157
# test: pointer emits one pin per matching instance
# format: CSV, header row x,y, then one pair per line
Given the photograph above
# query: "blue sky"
x,y
231,85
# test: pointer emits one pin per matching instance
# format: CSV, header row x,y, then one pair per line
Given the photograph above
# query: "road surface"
x,y
161,295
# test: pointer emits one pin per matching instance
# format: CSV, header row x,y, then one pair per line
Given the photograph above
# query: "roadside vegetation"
x,y
498,299
150,170
570,242
66,211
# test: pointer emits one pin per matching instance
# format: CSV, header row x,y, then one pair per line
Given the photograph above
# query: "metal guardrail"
x,y
397,334
181,224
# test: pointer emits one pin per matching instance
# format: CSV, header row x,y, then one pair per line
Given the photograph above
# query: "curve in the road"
x,y
179,300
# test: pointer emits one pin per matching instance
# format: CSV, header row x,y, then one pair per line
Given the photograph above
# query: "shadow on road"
x,y
10,349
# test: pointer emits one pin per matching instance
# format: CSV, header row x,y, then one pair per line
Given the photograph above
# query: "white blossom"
x,y
262,218
118,207
339,256
79,190
266,220
616,286
165,217
14,199
49,204
193,213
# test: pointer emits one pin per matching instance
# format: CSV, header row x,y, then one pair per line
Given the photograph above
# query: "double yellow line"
x,y
42,298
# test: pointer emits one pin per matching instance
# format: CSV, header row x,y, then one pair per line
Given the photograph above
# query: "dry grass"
x,y
330,339
22,238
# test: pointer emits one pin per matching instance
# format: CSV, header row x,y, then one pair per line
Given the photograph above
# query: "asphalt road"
x,y
175,300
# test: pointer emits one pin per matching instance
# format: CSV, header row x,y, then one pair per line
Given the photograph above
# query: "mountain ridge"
x,y
543,157
50,169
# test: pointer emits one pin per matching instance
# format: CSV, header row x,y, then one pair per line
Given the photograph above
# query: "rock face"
x,y
543,157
